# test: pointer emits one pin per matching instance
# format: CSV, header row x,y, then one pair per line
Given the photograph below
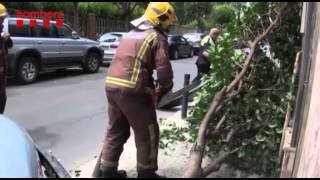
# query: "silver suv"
x,y
38,48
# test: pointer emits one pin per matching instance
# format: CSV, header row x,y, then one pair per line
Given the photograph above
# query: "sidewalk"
x,y
172,164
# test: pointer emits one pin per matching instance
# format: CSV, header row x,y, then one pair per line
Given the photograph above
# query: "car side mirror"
x,y
75,35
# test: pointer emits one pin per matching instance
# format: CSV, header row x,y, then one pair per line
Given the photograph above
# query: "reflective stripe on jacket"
x,y
138,54
207,41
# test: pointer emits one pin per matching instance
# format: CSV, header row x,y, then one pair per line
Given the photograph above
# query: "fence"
x,y
82,24
102,25
92,30
108,25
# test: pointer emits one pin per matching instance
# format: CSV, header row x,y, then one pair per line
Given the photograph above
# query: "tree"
x,y
222,15
199,10
240,110
26,6
127,9
76,16
193,14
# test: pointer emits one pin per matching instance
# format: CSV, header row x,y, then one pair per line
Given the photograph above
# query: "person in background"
x,y
5,43
203,63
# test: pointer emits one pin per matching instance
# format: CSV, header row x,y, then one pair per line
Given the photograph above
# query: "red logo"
x,y
33,23
20,23
46,23
45,16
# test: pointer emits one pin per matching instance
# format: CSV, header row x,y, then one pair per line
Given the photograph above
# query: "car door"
x,y
184,46
46,42
71,49
179,45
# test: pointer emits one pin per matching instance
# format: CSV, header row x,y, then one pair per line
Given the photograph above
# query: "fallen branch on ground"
x,y
194,168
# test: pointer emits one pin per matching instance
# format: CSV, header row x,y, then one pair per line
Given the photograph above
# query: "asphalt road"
x,y
65,112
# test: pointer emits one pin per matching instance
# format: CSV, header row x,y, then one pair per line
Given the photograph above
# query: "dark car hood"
x,y
18,155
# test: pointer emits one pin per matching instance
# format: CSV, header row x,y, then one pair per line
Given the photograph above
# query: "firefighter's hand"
x,y
157,95
5,36
205,54
152,93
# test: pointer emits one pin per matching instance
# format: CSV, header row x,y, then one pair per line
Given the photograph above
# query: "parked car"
x,y
179,47
39,48
263,46
110,42
195,40
22,158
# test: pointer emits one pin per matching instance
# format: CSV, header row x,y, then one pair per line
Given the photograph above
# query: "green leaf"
x,y
279,130
260,138
241,153
272,125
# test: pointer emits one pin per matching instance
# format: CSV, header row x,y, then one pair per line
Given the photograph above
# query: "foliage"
x,y
193,13
101,9
222,15
260,110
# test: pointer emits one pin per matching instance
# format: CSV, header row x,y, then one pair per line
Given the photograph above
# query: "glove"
x,y
153,94
157,95
5,35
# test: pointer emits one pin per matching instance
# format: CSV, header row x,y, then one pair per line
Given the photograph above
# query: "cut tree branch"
x,y
217,130
194,168
216,164
232,133
250,56
222,120
195,161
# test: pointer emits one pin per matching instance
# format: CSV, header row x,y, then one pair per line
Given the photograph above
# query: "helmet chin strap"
x,y
161,30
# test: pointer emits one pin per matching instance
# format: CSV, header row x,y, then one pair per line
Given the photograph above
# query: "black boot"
x,y
113,173
149,174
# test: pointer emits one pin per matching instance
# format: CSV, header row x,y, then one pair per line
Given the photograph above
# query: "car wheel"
x,y
28,70
176,54
92,63
191,53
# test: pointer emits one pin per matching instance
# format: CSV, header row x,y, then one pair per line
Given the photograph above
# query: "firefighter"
x,y
5,43
203,63
131,91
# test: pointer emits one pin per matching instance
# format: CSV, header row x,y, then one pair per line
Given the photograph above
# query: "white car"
x,y
109,42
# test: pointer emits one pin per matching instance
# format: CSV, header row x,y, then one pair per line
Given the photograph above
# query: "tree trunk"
x,y
76,16
127,21
198,17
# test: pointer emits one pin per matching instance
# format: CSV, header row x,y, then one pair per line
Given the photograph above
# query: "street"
x,y
66,111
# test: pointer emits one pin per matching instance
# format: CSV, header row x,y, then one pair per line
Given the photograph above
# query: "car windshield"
x,y
110,38
172,39
192,37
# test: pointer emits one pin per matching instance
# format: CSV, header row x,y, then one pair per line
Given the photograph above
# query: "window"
x,y
64,32
16,31
119,36
184,40
109,38
175,39
192,37
44,32
180,39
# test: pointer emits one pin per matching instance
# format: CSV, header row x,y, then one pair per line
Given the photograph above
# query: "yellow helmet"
x,y
160,13
3,11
